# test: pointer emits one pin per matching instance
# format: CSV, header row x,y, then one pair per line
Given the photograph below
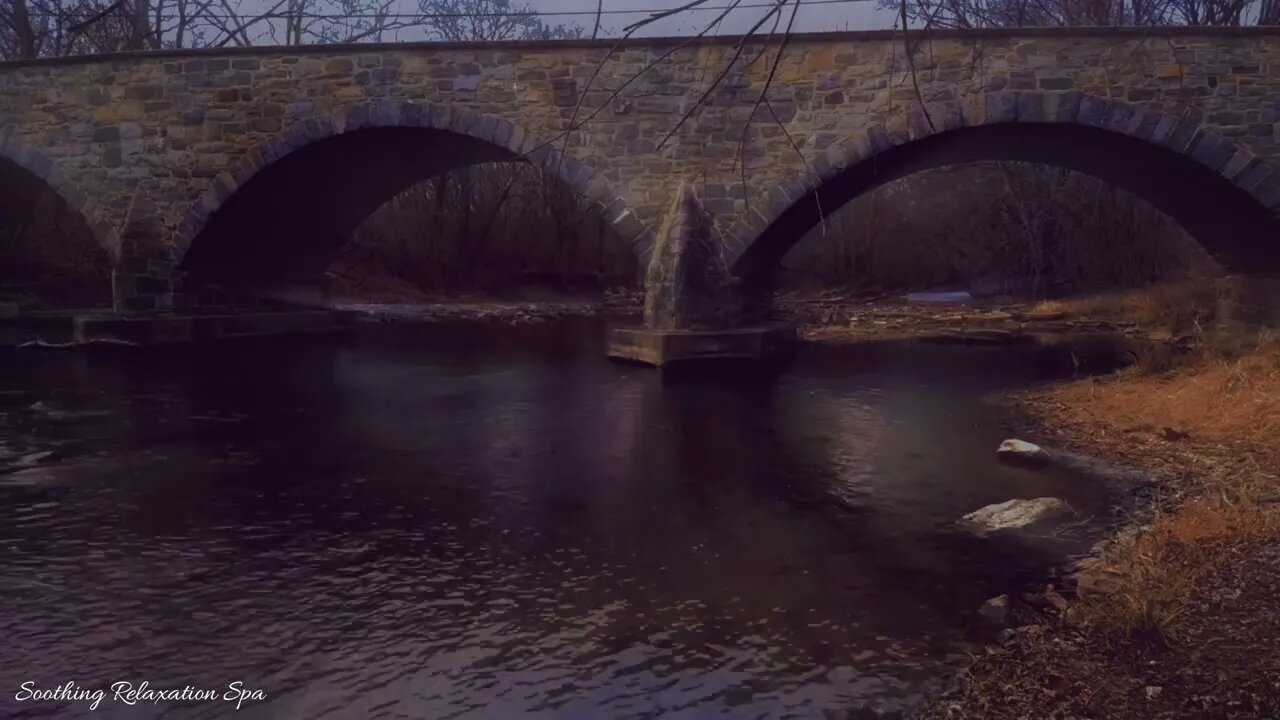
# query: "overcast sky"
x,y
814,15
828,15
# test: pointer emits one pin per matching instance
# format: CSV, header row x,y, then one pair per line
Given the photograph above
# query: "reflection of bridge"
x,y
239,165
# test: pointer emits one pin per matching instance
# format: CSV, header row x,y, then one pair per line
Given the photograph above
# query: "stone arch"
x,y
1025,125
508,140
13,149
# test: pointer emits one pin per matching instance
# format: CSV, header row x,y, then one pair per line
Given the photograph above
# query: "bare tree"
x,y
481,20
1067,13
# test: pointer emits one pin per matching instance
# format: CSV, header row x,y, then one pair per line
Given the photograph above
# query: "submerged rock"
x,y
1022,452
1014,514
995,610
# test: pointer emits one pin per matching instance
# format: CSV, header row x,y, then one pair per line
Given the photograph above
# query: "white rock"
x,y
1014,514
1014,450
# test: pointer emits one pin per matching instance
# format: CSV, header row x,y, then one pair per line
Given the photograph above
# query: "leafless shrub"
x,y
490,227
997,228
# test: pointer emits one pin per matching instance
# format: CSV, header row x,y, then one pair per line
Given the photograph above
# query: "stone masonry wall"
x,y
148,145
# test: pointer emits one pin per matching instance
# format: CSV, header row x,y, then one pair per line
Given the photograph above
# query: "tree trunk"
x,y
141,25
26,35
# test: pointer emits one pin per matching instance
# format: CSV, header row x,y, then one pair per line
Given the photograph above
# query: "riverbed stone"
x,y
1014,514
1021,452
995,611
1095,578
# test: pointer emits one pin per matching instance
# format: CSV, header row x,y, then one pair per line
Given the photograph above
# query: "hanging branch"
x,y
574,125
911,65
628,32
773,71
737,53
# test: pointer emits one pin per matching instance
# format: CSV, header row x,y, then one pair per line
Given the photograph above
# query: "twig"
x,y
911,64
628,32
737,53
773,71
74,29
809,168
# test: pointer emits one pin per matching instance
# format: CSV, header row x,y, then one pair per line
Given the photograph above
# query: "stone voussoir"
x,y
240,111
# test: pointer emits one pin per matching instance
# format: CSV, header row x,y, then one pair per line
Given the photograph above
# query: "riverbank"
x,y
1178,613
1178,616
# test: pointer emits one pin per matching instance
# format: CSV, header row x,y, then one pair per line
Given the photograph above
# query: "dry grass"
x,y
1222,400
1184,307
1224,415
1159,570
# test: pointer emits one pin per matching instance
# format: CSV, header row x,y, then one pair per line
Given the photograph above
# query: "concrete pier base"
x,y
760,345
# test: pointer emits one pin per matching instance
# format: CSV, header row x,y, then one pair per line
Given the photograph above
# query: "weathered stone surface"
x,y
1013,514
1021,452
995,611
139,119
688,284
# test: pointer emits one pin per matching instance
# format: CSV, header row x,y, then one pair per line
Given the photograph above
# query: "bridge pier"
x,y
694,308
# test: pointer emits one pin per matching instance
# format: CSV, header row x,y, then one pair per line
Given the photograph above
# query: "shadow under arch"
x,y
52,252
1219,192
44,170
289,204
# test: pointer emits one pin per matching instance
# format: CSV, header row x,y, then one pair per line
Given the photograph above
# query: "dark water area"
x,y
486,521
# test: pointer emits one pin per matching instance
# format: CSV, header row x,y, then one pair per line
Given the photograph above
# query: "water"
x,y
478,521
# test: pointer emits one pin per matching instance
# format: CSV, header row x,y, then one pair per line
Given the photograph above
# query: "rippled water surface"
x,y
492,522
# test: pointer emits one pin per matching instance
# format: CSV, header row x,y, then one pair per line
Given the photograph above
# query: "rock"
x,y
995,610
1094,579
1014,514
939,297
1058,602
1022,452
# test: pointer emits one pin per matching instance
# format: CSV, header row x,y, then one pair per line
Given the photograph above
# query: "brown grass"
x,y
1189,306
1222,400
1225,414
1159,570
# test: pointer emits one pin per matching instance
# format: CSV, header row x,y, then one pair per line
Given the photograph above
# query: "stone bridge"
x,y
240,165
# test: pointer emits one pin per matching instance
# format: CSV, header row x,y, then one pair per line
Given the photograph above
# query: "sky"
x,y
828,15
814,15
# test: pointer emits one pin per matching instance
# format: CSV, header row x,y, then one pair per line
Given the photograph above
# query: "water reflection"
x,y
478,521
